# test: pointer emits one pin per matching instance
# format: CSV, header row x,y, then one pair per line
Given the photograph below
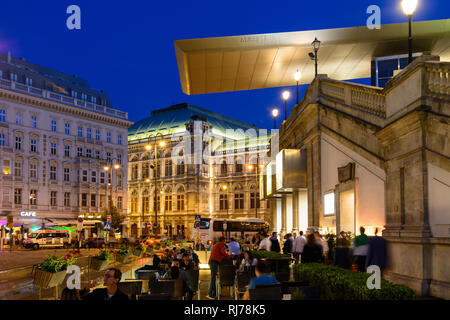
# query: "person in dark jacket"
x,y
275,247
111,292
377,254
312,252
342,252
288,244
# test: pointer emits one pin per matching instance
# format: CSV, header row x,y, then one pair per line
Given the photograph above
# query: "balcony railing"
x,y
18,87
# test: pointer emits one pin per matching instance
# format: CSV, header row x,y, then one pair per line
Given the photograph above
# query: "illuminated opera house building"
x,y
207,166
352,155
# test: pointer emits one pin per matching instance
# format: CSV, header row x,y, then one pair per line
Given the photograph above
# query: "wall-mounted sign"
x,y
28,214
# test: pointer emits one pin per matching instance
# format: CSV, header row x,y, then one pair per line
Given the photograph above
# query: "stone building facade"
x,y
56,136
221,184
378,158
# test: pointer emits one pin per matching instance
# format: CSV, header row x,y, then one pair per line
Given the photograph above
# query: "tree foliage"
x,y
116,218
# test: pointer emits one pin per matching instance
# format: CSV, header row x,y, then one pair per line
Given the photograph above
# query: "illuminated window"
x,y
328,201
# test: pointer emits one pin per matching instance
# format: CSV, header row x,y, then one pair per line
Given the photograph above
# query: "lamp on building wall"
x,y
286,94
275,115
297,76
409,7
316,46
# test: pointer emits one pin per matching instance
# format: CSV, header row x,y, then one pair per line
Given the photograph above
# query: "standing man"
x,y
299,244
265,243
288,244
275,244
234,249
360,248
377,254
218,254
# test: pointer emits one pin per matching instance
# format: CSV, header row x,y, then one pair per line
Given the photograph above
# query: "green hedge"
x,y
340,284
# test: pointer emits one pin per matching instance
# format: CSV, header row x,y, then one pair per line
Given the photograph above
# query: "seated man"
x,y
262,277
111,292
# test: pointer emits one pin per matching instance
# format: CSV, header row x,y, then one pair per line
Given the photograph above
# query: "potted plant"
x,y
139,250
123,254
100,262
52,271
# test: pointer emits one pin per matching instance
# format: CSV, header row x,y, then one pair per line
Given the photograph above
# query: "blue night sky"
x,y
126,47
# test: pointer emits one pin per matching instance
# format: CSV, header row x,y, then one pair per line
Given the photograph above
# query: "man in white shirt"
x,y
299,243
265,243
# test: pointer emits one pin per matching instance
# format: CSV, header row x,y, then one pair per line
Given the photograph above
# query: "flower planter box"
x,y
122,258
138,252
45,279
98,265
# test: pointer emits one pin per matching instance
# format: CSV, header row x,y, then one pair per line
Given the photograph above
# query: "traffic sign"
x,y
198,218
107,225
108,218
80,220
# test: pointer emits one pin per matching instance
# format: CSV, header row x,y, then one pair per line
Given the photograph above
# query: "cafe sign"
x,y
28,214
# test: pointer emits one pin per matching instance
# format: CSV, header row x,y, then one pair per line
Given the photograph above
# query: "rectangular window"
x,y
18,169
84,199
53,198
6,167
53,149
108,137
89,153
168,203
328,200
2,140
66,199
66,174
253,198
18,143
80,131
80,152
17,196
94,176
29,81
102,201
119,202
180,202
238,201
93,200
13,76
119,139
33,170
97,135
2,115
102,177
53,126
119,158
52,173
223,202
19,118
108,156
34,121
66,151
83,96
33,197
67,128
94,100
33,145
89,133
85,176
119,180
97,154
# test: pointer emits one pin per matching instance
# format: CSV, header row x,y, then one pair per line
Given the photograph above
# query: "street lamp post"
x,y
225,188
409,7
286,94
109,170
275,115
297,76
316,46
162,144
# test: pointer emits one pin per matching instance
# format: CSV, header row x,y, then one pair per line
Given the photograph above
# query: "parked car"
x,y
47,239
